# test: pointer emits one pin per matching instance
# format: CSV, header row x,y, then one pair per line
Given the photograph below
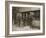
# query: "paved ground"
x,y
25,28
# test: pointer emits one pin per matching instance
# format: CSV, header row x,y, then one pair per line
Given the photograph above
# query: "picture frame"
x,y
10,6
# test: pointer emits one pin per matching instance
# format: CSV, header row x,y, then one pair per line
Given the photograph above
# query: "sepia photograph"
x,y
25,18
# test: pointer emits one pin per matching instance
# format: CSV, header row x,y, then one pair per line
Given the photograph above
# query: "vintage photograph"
x,y
25,18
